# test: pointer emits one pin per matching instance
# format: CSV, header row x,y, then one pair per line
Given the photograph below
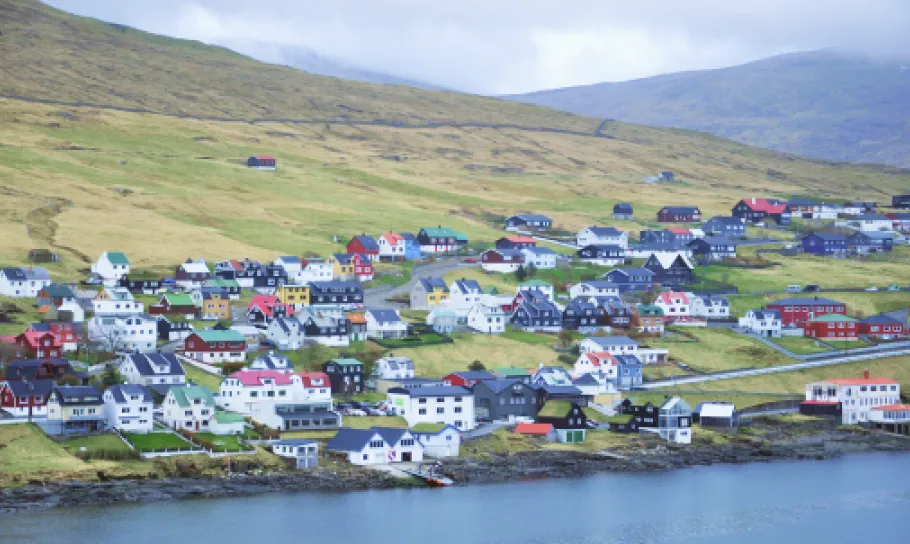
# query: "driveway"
x,y
376,297
485,429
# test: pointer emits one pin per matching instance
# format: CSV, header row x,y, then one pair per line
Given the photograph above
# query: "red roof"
x,y
392,238
235,264
679,230
762,205
861,381
310,377
265,157
520,239
668,296
33,337
266,303
894,408
254,378
357,319
535,429
601,358
820,402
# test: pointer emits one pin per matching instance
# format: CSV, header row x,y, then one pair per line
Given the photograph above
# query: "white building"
x,y
393,368
257,393
675,304
765,323
872,223
543,258
385,324
594,288
539,286
128,408
447,404
614,345
891,417
438,440
306,452
487,319
313,270
149,369
602,236
708,306
857,396
23,282
190,407
291,264
286,333
391,246
502,261
597,362
195,273
111,266
465,293
116,301
377,446
272,361
138,332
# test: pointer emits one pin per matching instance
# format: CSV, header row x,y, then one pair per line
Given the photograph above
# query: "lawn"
x,y
800,345
493,351
224,443
26,449
21,312
500,441
157,441
310,435
365,422
101,442
533,338
414,341
659,372
718,349
201,377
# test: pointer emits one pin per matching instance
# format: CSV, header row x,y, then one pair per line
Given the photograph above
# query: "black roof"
x,y
120,392
437,391
78,394
157,364
350,439
34,388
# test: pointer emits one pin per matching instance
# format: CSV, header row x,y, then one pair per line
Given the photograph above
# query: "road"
x,y
484,430
376,297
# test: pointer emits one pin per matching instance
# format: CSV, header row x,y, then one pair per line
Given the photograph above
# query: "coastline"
x,y
492,468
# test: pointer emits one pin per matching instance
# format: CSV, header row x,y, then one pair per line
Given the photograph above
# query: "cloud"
x,y
501,46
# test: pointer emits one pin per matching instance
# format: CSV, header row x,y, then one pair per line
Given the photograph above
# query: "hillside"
x,y
83,179
819,104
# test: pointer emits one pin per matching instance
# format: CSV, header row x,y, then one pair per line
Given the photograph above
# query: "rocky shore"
x,y
652,456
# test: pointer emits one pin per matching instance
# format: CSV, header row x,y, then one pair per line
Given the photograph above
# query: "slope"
x,y
819,104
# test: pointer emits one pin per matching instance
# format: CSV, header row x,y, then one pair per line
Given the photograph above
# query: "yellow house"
x,y
295,295
216,305
428,292
342,266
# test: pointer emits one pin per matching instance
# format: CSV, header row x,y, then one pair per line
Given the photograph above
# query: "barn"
x,y
262,162
716,414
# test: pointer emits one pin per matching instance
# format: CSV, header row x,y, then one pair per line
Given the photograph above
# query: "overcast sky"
x,y
509,46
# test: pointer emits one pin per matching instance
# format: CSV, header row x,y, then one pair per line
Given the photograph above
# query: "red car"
x,y
470,260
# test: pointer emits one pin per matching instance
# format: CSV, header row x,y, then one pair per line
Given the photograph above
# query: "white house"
x,y
258,393
73,309
465,293
385,324
190,407
192,274
306,452
594,288
313,270
857,396
596,362
36,279
272,361
872,223
116,301
13,282
551,375
602,236
327,326
487,319
540,286
674,421
129,408
447,404
286,333
542,258
377,446
291,264
502,261
675,304
393,368
438,440
137,332
156,368
111,266
708,306
762,322
614,345
391,246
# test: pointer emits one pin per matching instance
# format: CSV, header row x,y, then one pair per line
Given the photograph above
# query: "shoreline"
x,y
491,469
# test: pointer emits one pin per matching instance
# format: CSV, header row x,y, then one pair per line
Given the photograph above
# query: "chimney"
x,y
753,200
866,374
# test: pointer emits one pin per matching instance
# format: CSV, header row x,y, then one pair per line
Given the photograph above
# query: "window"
x,y
422,411
440,410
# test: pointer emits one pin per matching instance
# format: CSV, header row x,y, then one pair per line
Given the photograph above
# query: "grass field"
x,y
200,377
499,281
492,351
718,349
858,303
156,441
102,442
25,449
365,422
20,312
800,345
224,443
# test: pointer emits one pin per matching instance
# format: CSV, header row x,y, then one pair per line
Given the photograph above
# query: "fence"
x,y
764,409
201,366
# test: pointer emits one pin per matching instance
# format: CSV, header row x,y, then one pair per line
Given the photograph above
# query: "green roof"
x,y
184,395
511,372
117,257
490,290
179,299
440,232
429,428
460,236
619,418
346,362
555,408
225,417
650,309
221,336
536,283
221,282
54,290
834,318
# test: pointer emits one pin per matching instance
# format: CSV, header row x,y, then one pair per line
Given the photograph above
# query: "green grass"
x,y
493,351
201,377
800,345
102,442
718,349
21,313
26,449
365,422
224,443
413,341
741,401
156,441
532,338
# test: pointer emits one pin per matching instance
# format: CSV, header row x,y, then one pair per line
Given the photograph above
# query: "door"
x,y
406,456
197,425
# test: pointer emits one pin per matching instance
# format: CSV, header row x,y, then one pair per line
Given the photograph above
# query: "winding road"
x,y
376,297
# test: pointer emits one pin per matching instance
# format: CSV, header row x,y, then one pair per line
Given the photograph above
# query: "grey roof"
x,y
76,394
586,379
14,273
500,384
395,363
417,381
622,207
803,202
628,360
475,375
531,217
806,301
607,341
390,434
561,389
605,231
368,242
717,241
726,220
385,316
294,442
830,236
28,368
37,273
633,272
437,391
539,250
289,259
467,286
34,388
157,364
409,236
881,319
350,439
766,314
273,361
327,285
709,300
120,392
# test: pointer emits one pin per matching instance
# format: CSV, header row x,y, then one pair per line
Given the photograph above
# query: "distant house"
x,y
139,286
825,244
765,323
327,327
304,452
192,274
537,316
731,227
385,324
871,222
757,210
853,399
713,248
542,258
615,345
629,280
450,405
443,319
596,362
832,327
601,236
709,306
150,369
412,249
467,378
679,214
14,283
111,266
675,305
215,305
716,414
438,440
488,319
377,446
440,240
174,304
264,308
262,162
671,270
364,245
129,408
855,207
901,201
189,407
593,288
55,295
504,399
582,316
214,346
351,266
674,237
798,311
528,221
25,398
428,292
623,210
629,370
336,293
865,243
648,318
515,242
502,261
602,255
883,326
567,418
74,410
346,376
392,247
39,344
391,367
671,420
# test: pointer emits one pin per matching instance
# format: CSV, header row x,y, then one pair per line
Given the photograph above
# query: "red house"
x,y
264,308
174,304
798,311
40,344
467,378
25,398
216,346
364,245
832,327
363,268
679,214
262,162
883,326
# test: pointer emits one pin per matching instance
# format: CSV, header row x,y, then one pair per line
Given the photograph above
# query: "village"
x,y
308,357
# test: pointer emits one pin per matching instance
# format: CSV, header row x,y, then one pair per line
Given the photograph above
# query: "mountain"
x,y
116,139
818,104
309,60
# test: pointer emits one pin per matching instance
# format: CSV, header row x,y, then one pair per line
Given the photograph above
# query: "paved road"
x,y
485,429
376,297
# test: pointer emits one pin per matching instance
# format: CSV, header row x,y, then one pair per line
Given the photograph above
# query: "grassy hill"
x,y
818,104
83,179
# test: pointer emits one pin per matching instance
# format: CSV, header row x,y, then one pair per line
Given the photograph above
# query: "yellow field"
x,y
492,351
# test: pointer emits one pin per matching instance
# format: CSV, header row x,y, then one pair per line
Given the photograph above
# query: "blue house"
x,y
629,280
411,247
825,243
628,371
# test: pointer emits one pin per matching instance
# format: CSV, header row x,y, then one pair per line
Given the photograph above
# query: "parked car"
x,y
894,287
794,288
812,288
470,260
872,289
592,424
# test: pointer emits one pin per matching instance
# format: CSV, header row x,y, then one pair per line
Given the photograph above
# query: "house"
x,y
412,250
447,404
855,396
798,311
222,285
629,370
443,320
336,293
901,201
601,236
648,318
612,312
325,326
428,292
357,326
74,409
883,326
272,361
65,333
731,227
515,242
487,319
68,312
832,327
502,261
467,378
671,270
345,375
864,243
544,431
871,222
615,345
551,375
128,408
111,267
762,322
39,344
215,305
583,316
597,362
364,245
855,207
262,162
570,393
264,308
900,221
296,296
504,400
292,265
189,407
438,440
385,324
286,333
150,369
674,421
713,248
810,209
465,293
673,238
55,295
23,398
708,306
174,304
537,316
679,214
273,398
675,305
759,210
351,266
541,258
716,414
41,369
216,346
140,286
440,240
629,280
623,210
377,446
528,221
192,274
893,418
567,418
391,367
601,255
392,247
593,288
304,452
14,283
136,332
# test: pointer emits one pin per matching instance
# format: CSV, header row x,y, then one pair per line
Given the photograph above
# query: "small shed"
x,y
305,452
622,210
716,414
540,430
262,162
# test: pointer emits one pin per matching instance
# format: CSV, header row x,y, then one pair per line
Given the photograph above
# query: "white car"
x,y
872,289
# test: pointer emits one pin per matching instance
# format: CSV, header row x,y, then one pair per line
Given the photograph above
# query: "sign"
x,y
399,402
